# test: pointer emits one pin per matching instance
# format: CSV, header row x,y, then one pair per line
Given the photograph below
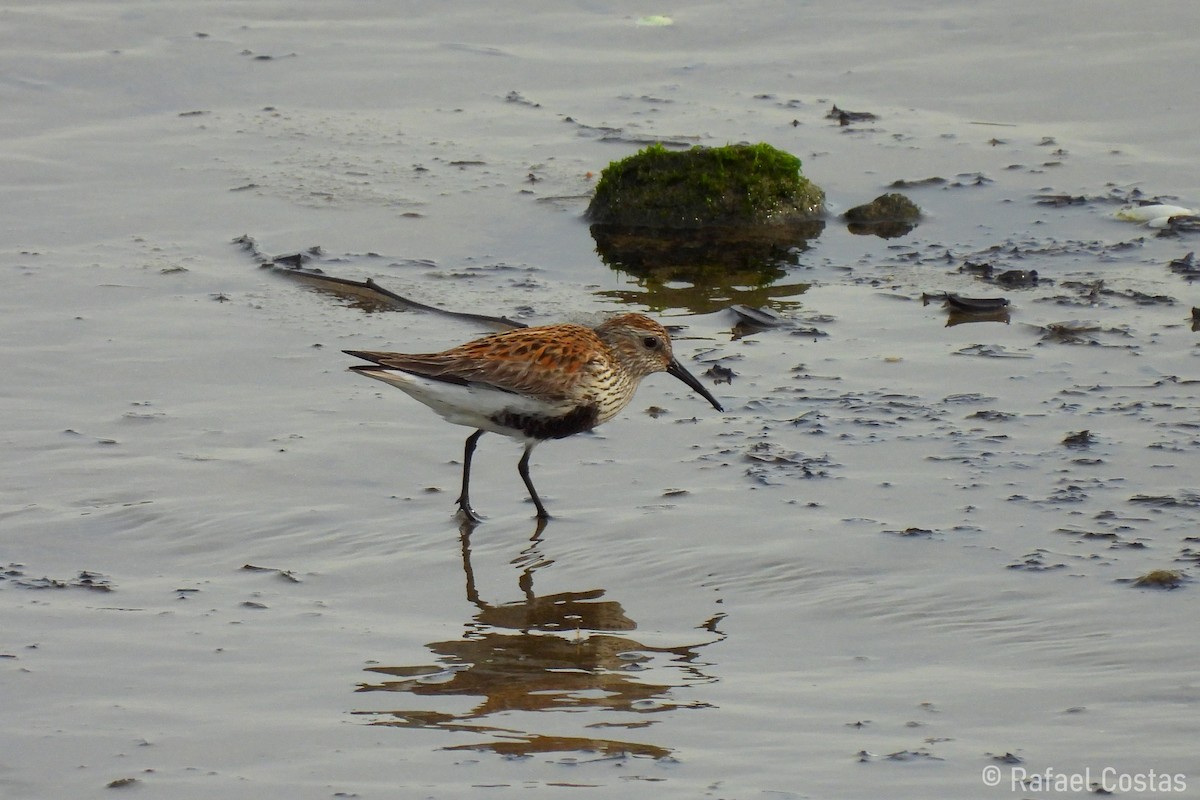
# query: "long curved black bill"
x,y
676,369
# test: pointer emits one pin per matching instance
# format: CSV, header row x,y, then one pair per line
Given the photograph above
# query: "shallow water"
x,y
881,572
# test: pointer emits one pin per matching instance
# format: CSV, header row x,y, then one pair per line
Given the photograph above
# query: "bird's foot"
x,y
466,512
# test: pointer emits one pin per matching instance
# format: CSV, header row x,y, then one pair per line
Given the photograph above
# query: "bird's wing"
x,y
543,361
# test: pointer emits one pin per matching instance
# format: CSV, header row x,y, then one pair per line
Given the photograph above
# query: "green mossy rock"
x,y
735,185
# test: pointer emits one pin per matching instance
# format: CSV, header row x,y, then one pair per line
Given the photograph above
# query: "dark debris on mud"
x,y
770,464
15,575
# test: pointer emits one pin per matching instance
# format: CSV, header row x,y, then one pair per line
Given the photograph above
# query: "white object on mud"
x,y
1155,216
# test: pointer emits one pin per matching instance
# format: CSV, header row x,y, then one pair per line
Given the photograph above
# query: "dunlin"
x,y
534,384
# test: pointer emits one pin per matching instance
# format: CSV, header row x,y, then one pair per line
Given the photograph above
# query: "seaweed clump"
x,y
1160,579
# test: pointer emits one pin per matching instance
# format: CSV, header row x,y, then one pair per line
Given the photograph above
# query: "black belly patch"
x,y
578,420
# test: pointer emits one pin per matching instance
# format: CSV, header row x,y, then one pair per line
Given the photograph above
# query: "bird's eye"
x,y
650,342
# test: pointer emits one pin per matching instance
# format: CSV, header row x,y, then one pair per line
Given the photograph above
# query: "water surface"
x,y
880,572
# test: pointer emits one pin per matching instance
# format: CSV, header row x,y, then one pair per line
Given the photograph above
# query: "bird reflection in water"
x,y
569,651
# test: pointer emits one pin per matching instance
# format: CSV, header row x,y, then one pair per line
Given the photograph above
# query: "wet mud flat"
x,y
948,522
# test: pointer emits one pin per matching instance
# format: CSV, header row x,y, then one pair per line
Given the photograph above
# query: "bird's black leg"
x,y
523,468
464,499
